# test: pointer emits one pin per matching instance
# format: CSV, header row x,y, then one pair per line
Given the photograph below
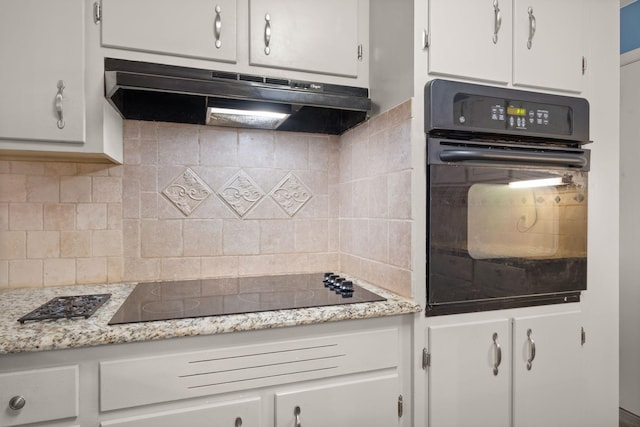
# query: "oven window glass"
x,y
505,232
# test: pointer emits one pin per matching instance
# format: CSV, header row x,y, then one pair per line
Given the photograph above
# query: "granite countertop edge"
x,y
94,331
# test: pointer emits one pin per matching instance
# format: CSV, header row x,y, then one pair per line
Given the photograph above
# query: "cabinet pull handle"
x,y
532,27
59,106
17,402
238,422
497,21
532,350
497,353
267,34
217,27
296,412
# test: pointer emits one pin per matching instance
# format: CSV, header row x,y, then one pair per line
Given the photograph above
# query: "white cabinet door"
x,y
369,402
244,412
305,35
462,41
554,58
193,28
465,389
551,393
42,44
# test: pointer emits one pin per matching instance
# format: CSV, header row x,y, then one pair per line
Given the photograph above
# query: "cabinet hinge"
x,y
400,407
584,65
360,52
97,12
426,359
426,39
583,336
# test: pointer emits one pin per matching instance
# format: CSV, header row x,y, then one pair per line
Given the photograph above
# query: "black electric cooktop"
x,y
215,297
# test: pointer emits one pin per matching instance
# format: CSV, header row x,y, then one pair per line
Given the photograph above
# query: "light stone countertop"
x,y
94,331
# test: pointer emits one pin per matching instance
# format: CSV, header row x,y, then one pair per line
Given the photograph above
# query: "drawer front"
x,y
49,394
243,412
135,382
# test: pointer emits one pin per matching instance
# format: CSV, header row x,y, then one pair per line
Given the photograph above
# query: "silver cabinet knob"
x,y
17,402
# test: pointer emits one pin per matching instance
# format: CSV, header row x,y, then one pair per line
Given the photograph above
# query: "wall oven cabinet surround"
x,y
507,198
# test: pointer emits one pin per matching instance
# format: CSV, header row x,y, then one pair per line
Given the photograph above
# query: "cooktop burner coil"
x,y
67,307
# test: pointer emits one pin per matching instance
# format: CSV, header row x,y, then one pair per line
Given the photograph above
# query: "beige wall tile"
x,y
4,216
178,145
141,269
149,205
13,188
91,270
130,198
25,216
59,216
148,130
131,150
223,266
75,189
27,168
320,147
5,166
131,129
4,274
346,236
60,168
94,169
13,245
312,235
345,161
218,147
273,264
360,237
320,263
399,157
43,244
399,193
115,269
107,189
291,151
277,236
379,240
180,268
400,243
148,152
75,244
379,197
114,216
131,238
359,160
59,272
161,238
107,243
202,237
379,151
346,200
361,198
240,237
91,216
256,149
42,188
25,273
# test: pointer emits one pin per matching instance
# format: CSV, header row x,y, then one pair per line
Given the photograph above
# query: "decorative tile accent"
x,y
291,194
241,194
187,191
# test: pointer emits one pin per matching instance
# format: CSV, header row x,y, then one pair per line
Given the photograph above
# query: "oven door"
x,y
507,225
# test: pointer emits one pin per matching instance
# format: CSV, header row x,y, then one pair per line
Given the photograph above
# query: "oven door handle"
x,y
550,159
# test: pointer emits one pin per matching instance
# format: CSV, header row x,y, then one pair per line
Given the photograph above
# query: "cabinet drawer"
x,y
135,382
49,394
241,412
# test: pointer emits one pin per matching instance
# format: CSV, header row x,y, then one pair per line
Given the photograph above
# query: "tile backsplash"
x,y
195,201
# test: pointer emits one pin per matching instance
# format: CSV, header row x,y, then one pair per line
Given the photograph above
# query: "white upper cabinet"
x,y
305,35
532,43
471,38
548,44
42,70
204,29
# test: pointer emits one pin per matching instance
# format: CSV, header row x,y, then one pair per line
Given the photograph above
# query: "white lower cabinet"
x,y
39,395
227,414
520,371
371,402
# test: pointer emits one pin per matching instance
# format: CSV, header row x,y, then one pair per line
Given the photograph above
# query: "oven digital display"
x,y
485,113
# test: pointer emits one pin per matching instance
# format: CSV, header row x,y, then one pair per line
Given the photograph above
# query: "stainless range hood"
x,y
156,92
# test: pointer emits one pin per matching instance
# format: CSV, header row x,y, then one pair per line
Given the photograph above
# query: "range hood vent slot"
x,y
156,92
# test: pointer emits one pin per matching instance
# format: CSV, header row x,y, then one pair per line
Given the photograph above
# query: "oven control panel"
x,y
495,114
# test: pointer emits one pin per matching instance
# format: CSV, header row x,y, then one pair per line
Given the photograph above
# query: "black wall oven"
x,y
507,196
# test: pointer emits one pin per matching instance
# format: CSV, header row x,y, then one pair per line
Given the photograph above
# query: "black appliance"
x,y
215,297
506,197
67,307
158,92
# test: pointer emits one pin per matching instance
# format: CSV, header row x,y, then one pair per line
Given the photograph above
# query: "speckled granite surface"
x,y
76,333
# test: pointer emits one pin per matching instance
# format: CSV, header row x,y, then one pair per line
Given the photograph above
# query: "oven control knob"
x,y
346,289
327,277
